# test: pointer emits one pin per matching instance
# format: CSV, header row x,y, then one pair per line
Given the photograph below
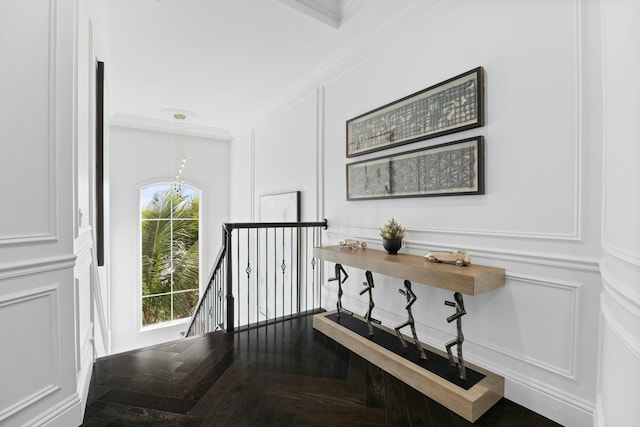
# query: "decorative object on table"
x,y
353,244
460,311
338,277
453,168
369,288
411,298
392,234
459,258
451,106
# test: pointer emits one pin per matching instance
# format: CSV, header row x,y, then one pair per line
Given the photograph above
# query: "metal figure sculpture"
x,y
460,311
369,286
411,298
339,271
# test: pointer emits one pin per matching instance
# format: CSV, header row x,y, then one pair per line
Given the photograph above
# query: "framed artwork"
x,y
454,168
451,106
283,207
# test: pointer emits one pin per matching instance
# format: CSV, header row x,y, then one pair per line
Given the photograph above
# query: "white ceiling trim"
x,y
168,126
326,11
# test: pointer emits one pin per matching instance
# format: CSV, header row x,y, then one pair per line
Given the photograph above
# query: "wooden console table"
x,y
470,280
473,279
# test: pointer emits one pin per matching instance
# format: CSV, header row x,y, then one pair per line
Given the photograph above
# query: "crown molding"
x,y
166,126
326,11
411,14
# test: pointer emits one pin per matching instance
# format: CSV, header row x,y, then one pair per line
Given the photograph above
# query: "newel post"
x,y
230,326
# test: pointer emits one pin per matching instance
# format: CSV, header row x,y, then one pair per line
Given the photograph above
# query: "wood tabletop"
x,y
471,279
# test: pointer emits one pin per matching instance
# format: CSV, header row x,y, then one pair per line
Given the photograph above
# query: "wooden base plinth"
x,y
469,404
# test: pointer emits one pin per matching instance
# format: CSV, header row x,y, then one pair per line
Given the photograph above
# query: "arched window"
x,y
170,262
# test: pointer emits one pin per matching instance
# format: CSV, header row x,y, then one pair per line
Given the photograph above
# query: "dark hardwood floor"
x,y
286,374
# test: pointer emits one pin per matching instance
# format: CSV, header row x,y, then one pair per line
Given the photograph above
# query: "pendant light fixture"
x,y
181,158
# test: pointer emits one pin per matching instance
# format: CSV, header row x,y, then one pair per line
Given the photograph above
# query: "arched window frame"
x,y
173,318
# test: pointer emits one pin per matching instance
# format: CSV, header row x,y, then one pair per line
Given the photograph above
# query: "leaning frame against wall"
x,y
453,168
451,106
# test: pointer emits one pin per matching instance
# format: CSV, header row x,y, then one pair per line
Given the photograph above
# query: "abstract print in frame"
x,y
451,106
454,168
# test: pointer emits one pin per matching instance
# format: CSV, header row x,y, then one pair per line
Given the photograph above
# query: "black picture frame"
x,y
100,196
453,105
453,168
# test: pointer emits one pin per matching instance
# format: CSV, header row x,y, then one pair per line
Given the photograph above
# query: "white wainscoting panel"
x,y
541,326
32,65
33,346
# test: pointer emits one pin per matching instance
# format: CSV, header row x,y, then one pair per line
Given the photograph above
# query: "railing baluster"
x,y
218,308
257,276
283,267
275,273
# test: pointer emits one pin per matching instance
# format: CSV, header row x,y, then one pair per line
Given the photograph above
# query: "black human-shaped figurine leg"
x,y
460,311
411,298
369,287
339,271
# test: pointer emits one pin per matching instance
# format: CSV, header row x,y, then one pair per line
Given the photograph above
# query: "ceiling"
x,y
229,62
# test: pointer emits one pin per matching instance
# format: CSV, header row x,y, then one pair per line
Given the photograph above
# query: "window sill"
x,y
164,325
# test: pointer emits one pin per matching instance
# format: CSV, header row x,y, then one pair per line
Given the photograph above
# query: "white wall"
x,y
241,179
46,354
137,158
278,155
540,216
619,368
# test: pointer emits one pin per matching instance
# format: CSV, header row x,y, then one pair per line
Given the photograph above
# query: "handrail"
x,y
235,225
216,267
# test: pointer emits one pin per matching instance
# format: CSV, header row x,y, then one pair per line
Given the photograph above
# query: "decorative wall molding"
x,y
35,266
27,401
53,143
625,296
574,288
620,253
504,234
50,293
598,416
166,126
326,11
628,338
337,66
545,259
21,239
575,234
59,412
320,145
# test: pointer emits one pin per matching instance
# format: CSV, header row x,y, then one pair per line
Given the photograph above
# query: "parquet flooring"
x,y
285,374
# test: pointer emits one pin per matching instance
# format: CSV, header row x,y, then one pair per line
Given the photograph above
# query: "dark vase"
x,y
392,245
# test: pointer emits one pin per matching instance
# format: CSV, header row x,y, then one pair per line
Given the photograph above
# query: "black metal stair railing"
x,y
263,273
207,317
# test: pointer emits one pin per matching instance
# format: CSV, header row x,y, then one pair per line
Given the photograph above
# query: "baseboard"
x,y
555,404
66,413
598,416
